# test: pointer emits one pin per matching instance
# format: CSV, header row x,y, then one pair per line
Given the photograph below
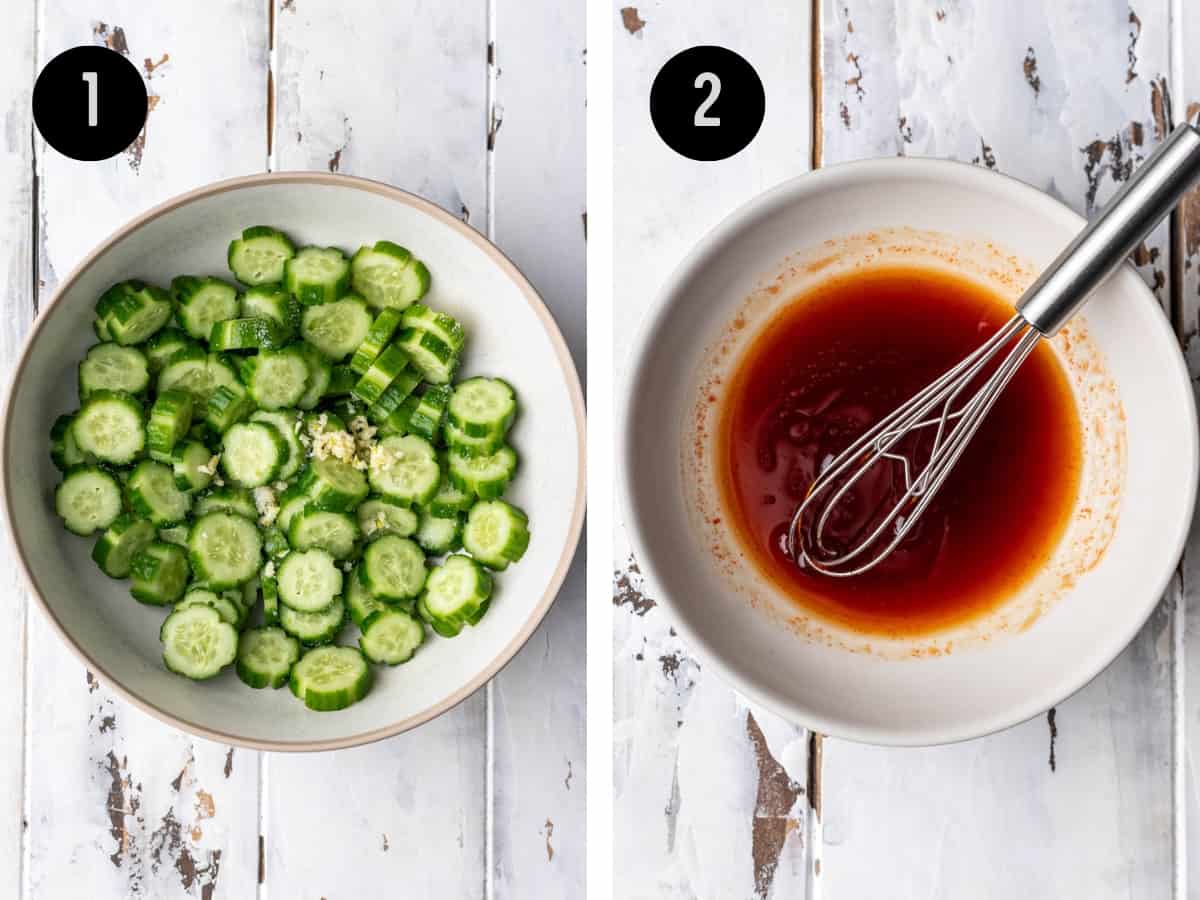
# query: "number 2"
x,y
713,83
93,113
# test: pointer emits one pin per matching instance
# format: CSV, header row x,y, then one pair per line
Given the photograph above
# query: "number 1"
x,y
93,113
713,83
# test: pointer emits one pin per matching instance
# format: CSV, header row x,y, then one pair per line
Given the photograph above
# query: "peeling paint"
x,y
151,65
631,20
122,803
92,683
775,813
570,775
905,130
855,80
1050,716
288,6
1135,31
386,845
627,589
1160,107
548,831
229,763
497,119
1029,67
335,161
113,38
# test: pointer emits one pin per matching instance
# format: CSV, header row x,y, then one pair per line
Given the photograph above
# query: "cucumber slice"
x,y
388,275
88,500
443,326
312,628
270,597
224,549
111,367
227,499
405,470
271,301
390,637
439,534
421,415
153,495
275,542
174,534
265,657
496,533
334,485
260,255
110,427
285,422
336,328
227,405
201,302
170,419
342,380
291,502
64,452
317,275
334,532
457,593
382,372
485,476
377,517
320,372
359,601
124,539
393,569
276,378
132,311
450,500
222,602
164,345
247,334
196,643
431,356
382,330
160,574
309,580
391,400
330,678
198,373
482,407
253,454
461,444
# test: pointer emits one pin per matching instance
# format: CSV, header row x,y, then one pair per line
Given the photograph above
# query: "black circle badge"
x,y
89,103
707,103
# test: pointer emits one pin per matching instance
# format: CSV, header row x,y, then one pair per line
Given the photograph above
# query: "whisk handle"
x,y
1144,201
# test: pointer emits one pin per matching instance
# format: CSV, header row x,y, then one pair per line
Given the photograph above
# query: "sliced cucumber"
x,y
227,405
309,580
227,499
405,470
450,500
461,444
388,275
422,414
381,373
342,380
270,598
334,485
265,657
153,495
291,502
198,373
496,533
88,500
223,602
457,593
383,410
317,275
260,255
439,534
170,419
197,643
253,454
380,334
164,345
64,452
174,534
336,533
276,378
110,427
225,550
482,407
485,476
330,678
247,334
271,301
431,356
124,539
390,637
132,311
201,302
359,601
320,372
439,324
111,367
336,328
393,568
312,628
159,574
275,542
377,517
284,421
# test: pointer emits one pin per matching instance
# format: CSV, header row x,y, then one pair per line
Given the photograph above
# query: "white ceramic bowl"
x,y
510,333
741,626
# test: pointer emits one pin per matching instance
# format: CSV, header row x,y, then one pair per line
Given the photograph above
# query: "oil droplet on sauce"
x,y
833,361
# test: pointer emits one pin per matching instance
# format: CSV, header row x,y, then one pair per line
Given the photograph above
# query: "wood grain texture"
x,y
16,274
1067,97
709,793
120,805
537,218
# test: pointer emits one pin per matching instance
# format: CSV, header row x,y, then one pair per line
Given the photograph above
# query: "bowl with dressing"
x,y
799,322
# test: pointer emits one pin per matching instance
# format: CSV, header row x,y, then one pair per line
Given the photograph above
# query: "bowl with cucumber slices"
x,y
294,461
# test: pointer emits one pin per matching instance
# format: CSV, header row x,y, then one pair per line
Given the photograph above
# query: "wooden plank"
x,y
119,804
409,811
1066,97
16,272
709,794
537,218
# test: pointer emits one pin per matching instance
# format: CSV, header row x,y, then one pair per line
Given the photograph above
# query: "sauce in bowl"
x,y
827,366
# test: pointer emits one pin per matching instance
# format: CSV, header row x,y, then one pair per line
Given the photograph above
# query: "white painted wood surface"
x,y
487,800
1065,96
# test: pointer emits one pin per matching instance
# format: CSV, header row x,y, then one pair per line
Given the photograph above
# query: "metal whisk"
x,y
941,419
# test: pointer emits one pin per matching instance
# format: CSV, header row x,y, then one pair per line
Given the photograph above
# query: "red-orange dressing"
x,y
832,362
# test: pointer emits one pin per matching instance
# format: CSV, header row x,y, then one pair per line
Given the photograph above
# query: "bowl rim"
x,y
566,364
789,192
